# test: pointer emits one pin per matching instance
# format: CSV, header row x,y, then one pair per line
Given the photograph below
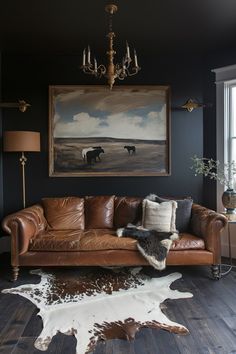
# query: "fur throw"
x,y
152,197
152,244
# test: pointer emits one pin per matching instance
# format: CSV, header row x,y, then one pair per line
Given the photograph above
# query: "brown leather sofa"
x,y
74,231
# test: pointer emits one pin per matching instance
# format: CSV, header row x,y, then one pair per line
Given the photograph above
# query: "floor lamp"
x,y
21,141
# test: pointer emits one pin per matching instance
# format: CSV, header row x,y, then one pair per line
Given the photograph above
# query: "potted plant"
x,y
224,174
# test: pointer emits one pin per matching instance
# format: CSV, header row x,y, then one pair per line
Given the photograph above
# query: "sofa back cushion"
x,y
99,212
64,213
127,210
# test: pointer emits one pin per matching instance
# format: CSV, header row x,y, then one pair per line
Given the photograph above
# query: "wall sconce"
x,y
21,141
21,104
192,104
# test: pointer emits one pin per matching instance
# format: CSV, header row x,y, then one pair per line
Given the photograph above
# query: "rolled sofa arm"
x,y
23,225
208,224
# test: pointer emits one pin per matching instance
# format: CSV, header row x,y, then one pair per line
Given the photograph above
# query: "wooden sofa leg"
x,y
216,273
15,273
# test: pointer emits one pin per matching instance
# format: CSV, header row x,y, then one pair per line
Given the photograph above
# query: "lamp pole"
x,y
23,160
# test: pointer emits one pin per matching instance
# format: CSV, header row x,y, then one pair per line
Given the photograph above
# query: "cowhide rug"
x,y
99,306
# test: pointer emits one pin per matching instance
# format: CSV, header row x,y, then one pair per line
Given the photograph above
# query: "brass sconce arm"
x,y
192,104
21,104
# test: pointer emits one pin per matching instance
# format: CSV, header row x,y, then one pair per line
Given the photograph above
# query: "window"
x,y
230,121
226,119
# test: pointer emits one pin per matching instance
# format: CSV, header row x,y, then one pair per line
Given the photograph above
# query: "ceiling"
x,y
68,26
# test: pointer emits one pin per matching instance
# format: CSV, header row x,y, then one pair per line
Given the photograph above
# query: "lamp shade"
x,y
21,141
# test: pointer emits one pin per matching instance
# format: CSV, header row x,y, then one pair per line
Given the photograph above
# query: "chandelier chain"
x,y
110,22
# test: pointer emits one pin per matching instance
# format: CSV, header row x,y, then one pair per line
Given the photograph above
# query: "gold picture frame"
x,y
126,131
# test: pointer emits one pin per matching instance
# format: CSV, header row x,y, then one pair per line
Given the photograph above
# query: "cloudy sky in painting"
x,y
99,112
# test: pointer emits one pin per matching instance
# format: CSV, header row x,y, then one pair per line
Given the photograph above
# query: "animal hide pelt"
x,y
152,244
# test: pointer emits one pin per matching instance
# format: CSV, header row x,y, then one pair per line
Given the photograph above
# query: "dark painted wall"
x,y
1,176
28,77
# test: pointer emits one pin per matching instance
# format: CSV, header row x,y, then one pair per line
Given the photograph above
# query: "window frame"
x,y
225,80
228,120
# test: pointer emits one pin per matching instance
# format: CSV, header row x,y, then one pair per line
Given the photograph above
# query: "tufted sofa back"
x,y
91,212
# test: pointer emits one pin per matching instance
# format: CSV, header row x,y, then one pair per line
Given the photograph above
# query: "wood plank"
x,y
60,344
161,338
35,325
16,324
6,309
25,345
155,340
122,347
201,322
104,347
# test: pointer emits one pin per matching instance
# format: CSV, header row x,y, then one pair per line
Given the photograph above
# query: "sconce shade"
x,y
14,141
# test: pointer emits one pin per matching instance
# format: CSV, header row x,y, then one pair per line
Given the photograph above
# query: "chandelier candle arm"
x,y
135,59
123,65
127,50
84,55
89,54
112,70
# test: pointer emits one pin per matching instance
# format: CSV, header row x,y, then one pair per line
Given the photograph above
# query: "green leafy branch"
x,y
224,174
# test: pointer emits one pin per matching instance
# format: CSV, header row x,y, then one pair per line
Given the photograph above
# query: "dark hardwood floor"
x,y
210,317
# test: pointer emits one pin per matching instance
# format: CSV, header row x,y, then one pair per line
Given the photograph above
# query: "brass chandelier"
x,y
128,66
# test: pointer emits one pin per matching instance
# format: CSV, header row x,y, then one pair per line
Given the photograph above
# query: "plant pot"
x,y
229,201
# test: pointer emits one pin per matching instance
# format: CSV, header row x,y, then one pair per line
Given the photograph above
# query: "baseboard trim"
x,y
5,244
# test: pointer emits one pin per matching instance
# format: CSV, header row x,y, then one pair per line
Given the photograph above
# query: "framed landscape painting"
x,y
94,131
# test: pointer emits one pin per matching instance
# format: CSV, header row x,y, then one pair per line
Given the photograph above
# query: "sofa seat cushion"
x,y
98,240
56,240
188,241
87,240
